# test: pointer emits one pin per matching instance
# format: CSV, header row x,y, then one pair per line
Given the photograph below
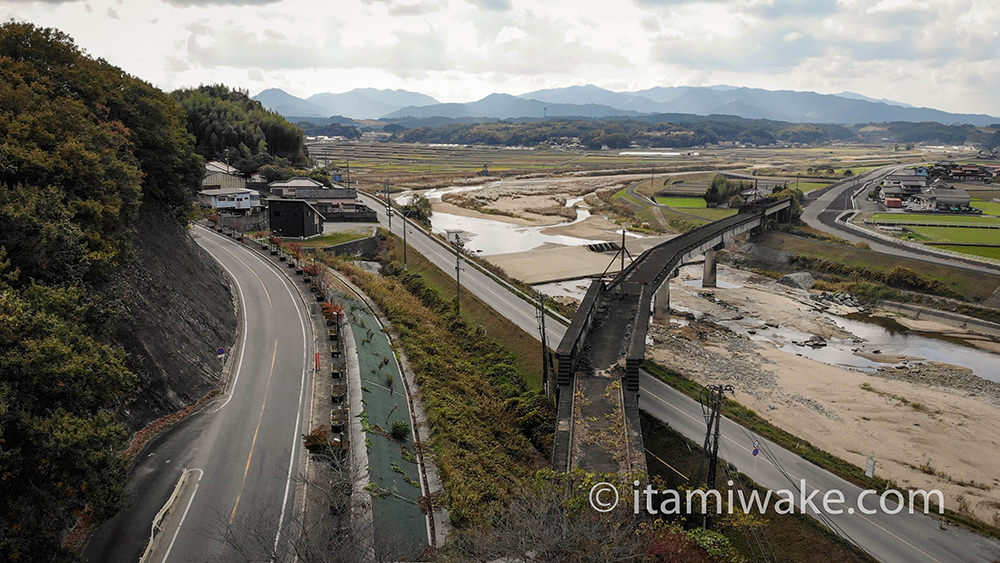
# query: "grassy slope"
x,y
974,285
526,350
791,537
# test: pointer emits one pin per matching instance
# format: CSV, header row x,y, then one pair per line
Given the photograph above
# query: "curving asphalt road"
x,y
902,538
243,450
821,214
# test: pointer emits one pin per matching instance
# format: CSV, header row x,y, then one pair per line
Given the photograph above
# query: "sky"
x,y
943,54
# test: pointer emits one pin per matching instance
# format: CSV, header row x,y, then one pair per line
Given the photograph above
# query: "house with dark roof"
x,y
295,218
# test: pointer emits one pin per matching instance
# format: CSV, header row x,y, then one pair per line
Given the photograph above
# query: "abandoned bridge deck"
x,y
597,425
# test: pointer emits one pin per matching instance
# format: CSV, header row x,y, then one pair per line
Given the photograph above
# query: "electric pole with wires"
x,y
546,356
711,408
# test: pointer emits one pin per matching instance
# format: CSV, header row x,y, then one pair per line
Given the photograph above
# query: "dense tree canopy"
x,y
229,126
82,146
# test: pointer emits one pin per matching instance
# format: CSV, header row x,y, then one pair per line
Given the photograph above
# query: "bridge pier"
x,y
661,302
709,277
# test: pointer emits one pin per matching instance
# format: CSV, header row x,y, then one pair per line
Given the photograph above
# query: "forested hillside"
x,y
85,151
229,126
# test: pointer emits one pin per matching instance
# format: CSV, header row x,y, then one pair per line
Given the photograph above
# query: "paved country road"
x,y
245,446
892,538
821,214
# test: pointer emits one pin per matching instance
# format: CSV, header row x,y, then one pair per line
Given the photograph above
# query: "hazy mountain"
x,y
360,103
592,101
591,94
278,100
856,96
505,106
368,103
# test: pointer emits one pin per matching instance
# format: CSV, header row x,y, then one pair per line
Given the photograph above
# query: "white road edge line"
x,y
302,385
186,508
243,340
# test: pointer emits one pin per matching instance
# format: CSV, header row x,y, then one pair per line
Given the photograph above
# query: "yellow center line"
x,y
743,447
251,270
253,443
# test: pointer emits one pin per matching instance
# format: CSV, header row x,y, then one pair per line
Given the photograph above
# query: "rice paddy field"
x,y
938,218
957,234
414,163
984,251
684,202
988,207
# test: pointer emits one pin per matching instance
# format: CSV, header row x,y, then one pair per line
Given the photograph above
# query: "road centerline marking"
x,y
253,442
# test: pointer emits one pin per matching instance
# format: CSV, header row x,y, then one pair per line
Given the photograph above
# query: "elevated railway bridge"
x,y
597,381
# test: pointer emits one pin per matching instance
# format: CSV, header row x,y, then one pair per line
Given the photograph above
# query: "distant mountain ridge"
x,y
359,103
595,102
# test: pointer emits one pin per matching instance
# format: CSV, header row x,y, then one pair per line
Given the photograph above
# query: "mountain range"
x,y
595,102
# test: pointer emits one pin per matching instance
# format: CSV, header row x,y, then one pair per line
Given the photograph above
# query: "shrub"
x,y
400,429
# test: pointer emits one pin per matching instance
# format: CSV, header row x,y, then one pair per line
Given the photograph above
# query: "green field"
x,y
332,239
985,251
682,202
944,218
810,186
958,234
988,207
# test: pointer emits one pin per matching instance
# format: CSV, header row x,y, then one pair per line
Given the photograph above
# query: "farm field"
x,y
958,234
904,218
984,251
988,207
810,186
683,202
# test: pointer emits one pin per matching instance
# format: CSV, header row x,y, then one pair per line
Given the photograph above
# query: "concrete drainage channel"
x,y
391,498
394,474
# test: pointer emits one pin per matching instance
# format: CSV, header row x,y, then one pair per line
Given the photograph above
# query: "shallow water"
x,y
486,236
873,337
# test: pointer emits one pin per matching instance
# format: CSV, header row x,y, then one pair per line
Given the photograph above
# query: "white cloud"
x,y
939,53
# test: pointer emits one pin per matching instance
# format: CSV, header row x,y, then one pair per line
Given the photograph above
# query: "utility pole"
x,y
623,250
545,345
348,173
456,238
403,216
388,205
711,404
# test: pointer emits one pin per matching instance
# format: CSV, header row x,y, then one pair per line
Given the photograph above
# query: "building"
x,y
291,186
217,166
221,180
294,218
234,200
939,199
908,183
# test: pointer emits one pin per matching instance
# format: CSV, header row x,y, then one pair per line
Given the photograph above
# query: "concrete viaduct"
x,y
597,381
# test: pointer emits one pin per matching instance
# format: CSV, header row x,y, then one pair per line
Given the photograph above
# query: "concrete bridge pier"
x,y
661,302
709,277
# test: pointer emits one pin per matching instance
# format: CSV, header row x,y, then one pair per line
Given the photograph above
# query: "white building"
x,y
230,199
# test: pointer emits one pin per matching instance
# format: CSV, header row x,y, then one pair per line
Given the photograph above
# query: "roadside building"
x,y
213,166
291,186
908,183
221,180
294,218
939,199
238,201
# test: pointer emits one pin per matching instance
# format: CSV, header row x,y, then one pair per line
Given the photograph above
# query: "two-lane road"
x,y
903,537
245,447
